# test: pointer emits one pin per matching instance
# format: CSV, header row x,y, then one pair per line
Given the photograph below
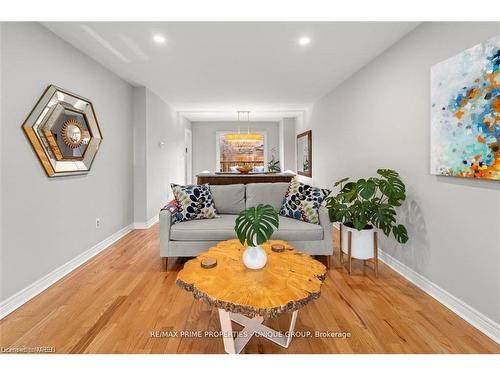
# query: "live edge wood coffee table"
x,y
288,282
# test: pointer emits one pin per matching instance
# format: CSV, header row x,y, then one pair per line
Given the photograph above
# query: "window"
x,y
236,150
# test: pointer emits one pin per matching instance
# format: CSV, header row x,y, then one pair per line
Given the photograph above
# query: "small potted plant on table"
x,y
364,205
254,226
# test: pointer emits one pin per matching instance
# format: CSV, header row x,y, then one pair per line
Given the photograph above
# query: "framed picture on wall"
x,y
304,154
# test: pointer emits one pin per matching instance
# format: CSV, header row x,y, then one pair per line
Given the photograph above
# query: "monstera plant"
x,y
254,226
370,202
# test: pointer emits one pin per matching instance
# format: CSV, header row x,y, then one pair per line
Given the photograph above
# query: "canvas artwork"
x,y
465,113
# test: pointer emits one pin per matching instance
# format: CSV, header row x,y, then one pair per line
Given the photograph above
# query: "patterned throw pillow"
x,y
302,202
193,202
172,207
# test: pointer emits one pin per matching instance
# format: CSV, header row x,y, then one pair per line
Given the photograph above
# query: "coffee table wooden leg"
x,y
254,326
251,326
232,344
292,328
227,331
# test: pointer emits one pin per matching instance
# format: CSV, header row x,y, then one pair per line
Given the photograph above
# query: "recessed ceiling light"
x,y
159,39
304,41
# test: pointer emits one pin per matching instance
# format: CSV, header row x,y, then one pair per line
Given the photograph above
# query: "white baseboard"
x,y
146,224
20,298
466,312
487,326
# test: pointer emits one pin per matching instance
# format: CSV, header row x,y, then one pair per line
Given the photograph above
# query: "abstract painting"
x,y
465,113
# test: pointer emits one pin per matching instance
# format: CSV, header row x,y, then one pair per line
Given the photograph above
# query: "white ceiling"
x,y
233,115
209,67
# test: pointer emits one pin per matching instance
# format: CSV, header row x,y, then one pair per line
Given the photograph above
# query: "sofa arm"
x,y
326,224
165,224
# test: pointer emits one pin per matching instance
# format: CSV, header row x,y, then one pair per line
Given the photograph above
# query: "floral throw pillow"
x,y
193,202
302,202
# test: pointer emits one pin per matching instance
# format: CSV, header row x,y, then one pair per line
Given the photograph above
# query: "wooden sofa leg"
x,y
165,263
329,262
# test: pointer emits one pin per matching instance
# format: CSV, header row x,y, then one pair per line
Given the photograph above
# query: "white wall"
x,y
156,165
140,155
380,118
1,167
165,163
204,134
287,138
48,222
186,124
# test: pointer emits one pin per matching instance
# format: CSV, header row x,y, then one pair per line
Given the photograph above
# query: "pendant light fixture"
x,y
243,139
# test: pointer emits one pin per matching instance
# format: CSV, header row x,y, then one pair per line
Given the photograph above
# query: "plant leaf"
x,y
338,212
383,215
386,228
393,188
349,192
255,225
360,214
400,233
340,181
388,173
396,202
366,188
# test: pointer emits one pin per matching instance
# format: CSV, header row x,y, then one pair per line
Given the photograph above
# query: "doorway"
x,y
188,149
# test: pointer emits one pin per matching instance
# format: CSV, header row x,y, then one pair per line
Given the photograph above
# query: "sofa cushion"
x,y
222,228
193,202
302,202
228,199
266,193
295,230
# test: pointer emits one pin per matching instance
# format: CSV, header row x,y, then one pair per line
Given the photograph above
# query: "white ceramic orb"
x,y
254,258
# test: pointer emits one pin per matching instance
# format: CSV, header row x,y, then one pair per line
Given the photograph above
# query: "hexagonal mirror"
x,y
64,132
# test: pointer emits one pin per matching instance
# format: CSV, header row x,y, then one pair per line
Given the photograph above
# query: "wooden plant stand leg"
x,y
341,254
165,263
251,326
349,247
375,251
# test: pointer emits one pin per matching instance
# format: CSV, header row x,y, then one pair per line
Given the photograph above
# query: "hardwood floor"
x,y
120,300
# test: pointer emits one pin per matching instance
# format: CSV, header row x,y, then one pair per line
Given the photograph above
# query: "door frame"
x,y
188,156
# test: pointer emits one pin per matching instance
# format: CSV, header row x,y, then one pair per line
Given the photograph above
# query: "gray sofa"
x,y
189,238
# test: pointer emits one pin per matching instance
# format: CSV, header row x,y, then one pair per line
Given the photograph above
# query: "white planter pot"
x,y
254,258
361,242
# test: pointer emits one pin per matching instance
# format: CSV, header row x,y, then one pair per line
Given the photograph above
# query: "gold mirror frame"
x,y
58,153
67,137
